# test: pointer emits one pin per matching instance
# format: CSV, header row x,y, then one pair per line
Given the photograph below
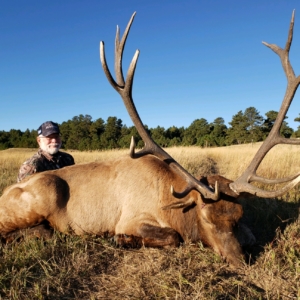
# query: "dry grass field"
x,y
89,267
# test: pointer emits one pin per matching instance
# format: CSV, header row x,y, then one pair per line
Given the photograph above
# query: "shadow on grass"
x,y
241,288
265,217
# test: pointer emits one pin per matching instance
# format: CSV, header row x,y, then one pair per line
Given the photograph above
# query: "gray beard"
x,y
51,150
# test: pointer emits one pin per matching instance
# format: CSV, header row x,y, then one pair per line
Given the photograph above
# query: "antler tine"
x,y
242,184
125,91
256,178
119,48
273,194
189,188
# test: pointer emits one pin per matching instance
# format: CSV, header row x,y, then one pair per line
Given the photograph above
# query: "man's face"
x,y
50,144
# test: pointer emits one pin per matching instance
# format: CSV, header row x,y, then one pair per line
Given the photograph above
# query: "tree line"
x,y
82,133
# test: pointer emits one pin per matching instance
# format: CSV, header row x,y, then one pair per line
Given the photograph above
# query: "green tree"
x,y
254,121
75,132
126,134
4,140
96,129
245,127
297,119
174,135
297,132
66,131
269,121
285,130
15,138
110,137
158,134
28,139
237,133
197,133
218,132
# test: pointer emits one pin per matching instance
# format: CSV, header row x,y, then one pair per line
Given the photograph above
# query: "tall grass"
x,y
70,267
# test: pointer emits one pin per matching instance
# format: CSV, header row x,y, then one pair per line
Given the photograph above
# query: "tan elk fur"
x,y
119,196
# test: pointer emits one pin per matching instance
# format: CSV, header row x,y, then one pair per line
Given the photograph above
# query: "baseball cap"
x,y
48,128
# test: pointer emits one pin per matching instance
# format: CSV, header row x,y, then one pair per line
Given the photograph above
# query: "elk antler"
x,y
242,184
124,88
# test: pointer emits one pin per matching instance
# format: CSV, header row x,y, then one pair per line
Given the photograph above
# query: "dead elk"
x,y
145,198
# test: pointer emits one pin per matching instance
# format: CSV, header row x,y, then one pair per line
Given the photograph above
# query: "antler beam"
x,y
242,184
124,88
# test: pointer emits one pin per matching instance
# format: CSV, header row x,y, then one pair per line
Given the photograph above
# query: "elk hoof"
x,y
126,241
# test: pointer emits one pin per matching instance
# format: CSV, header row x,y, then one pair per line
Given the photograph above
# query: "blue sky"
x,y
199,59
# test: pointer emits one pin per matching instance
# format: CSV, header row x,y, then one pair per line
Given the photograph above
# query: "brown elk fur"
x,y
124,197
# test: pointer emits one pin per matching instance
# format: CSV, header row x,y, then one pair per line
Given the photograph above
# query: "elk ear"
x,y
180,204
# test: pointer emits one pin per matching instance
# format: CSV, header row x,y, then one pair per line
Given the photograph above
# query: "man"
x,y
48,156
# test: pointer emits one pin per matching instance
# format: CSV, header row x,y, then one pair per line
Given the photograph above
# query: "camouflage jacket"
x,y
42,161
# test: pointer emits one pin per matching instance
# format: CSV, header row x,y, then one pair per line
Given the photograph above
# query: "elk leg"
x,y
27,204
40,231
155,236
149,236
127,241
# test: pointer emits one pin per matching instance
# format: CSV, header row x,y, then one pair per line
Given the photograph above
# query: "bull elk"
x,y
145,198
